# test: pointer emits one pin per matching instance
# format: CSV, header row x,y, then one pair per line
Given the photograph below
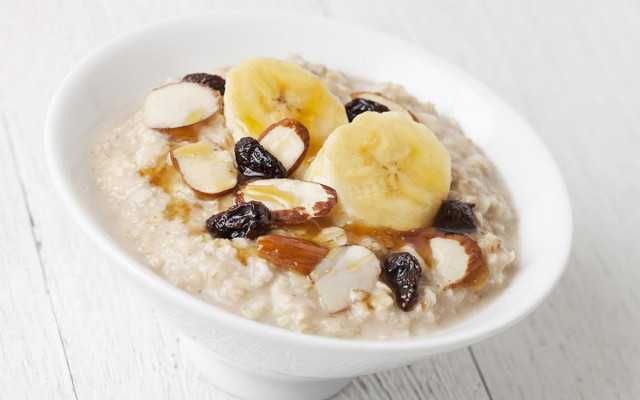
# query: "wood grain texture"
x,y
32,359
66,319
450,376
572,72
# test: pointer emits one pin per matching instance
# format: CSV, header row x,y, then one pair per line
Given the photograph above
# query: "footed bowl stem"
x,y
253,384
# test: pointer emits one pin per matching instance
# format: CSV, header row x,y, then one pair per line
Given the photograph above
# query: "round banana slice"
x,y
388,171
262,91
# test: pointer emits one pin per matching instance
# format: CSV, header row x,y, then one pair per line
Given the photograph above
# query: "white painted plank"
x,y
585,342
450,376
571,70
32,359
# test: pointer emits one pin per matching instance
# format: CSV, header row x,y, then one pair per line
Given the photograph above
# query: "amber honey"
x,y
164,176
177,208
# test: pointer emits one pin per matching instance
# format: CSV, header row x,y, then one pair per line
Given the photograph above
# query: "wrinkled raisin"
x,y
254,161
402,273
358,105
215,82
455,217
244,220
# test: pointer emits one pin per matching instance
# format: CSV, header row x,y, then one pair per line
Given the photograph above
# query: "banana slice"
x,y
388,171
262,91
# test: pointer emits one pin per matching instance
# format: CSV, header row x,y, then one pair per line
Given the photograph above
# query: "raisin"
x,y
215,82
455,217
358,105
254,161
402,273
244,220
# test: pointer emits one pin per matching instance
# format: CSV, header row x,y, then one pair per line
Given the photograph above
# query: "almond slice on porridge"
x,y
288,141
290,200
179,104
205,168
344,269
290,253
454,258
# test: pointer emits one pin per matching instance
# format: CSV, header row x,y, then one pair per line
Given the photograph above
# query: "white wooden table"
x,y
71,328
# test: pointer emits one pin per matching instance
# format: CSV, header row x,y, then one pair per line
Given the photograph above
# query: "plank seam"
x,y
484,382
38,246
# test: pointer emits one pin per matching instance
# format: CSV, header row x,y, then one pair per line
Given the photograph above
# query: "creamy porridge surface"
x,y
165,220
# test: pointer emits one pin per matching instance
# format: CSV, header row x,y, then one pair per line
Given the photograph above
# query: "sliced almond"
x,y
380,99
180,104
295,254
344,269
331,237
206,168
290,200
454,258
288,141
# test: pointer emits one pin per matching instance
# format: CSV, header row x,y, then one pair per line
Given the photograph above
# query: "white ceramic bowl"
x,y
260,361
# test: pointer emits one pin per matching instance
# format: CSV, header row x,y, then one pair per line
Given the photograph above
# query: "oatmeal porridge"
x,y
307,199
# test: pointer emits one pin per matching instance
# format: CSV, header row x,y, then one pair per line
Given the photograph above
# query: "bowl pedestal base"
x,y
250,384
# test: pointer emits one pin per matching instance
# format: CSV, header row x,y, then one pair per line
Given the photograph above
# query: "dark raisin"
x,y
254,161
358,105
402,273
244,220
215,82
455,217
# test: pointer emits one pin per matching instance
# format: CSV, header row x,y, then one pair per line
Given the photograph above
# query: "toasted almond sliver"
x,y
289,253
344,269
288,141
290,200
205,168
454,258
179,104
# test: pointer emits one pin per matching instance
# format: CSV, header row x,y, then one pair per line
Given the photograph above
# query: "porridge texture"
x,y
450,270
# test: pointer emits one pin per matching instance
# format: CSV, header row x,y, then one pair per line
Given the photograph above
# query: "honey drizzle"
x,y
268,194
190,133
389,239
307,230
165,176
177,208
245,253
162,175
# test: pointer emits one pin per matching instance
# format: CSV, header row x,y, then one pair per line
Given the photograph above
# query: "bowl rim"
x,y
147,277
